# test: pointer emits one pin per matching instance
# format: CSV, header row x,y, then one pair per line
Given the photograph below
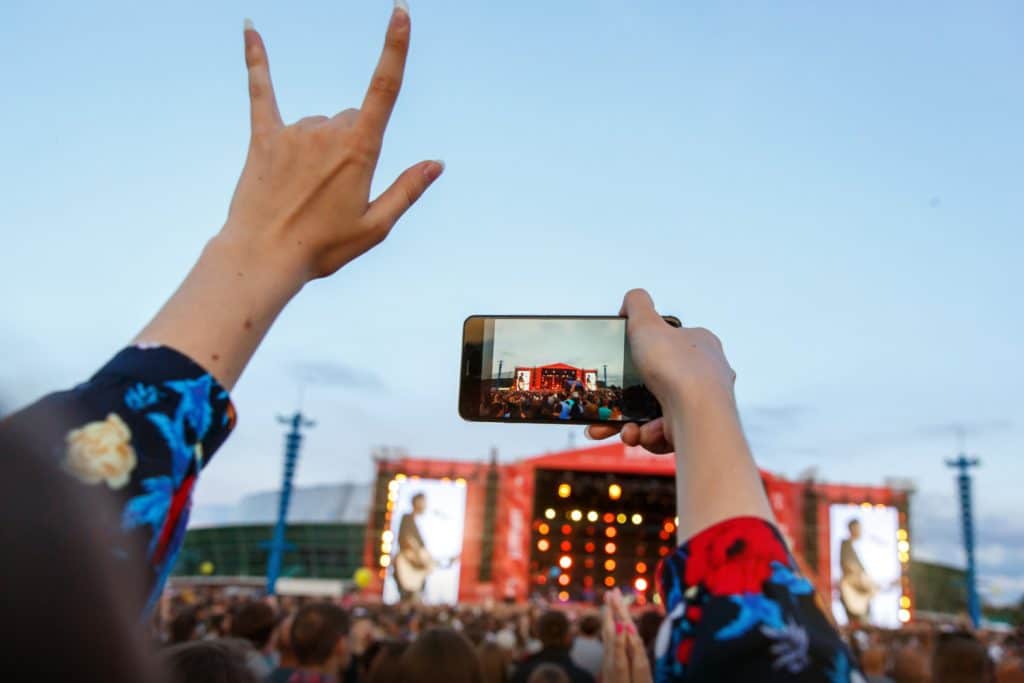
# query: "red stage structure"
x,y
553,377
505,525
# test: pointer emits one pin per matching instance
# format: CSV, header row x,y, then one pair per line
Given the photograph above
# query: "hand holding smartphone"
x,y
552,370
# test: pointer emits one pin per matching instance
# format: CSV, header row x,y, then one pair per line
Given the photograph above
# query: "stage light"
x,y
676,521
392,496
385,547
592,516
387,535
608,518
543,545
575,515
609,565
566,529
400,477
563,596
392,485
460,482
904,616
664,535
905,602
663,551
656,599
609,548
610,532
564,490
640,584
904,557
669,526
564,580
621,518
614,491
541,579
588,581
609,581
389,506
641,567
866,506
549,513
903,546
566,546
637,518
543,528
589,547
590,530
588,563
901,535
385,560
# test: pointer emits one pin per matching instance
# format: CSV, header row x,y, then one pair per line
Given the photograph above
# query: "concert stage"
x,y
572,523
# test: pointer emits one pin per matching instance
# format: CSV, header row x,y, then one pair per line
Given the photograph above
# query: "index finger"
x,y
387,78
638,307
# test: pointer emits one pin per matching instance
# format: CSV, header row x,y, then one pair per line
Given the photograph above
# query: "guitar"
x,y
856,592
412,567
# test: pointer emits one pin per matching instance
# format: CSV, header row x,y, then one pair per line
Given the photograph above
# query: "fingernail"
x,y
247,25
586,434
618,628
433,169
402,5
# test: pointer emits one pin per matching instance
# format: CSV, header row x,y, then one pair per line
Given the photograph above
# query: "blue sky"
x,y
836,191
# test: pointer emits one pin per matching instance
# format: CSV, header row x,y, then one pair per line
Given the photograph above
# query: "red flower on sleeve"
x,y
734,557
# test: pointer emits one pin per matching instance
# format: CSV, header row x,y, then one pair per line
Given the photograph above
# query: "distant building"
x,y
326,526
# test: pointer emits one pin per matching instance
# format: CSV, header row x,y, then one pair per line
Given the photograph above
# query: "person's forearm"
x,y
716,476
223,308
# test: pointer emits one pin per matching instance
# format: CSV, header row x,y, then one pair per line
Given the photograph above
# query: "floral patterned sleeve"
x,y
738,609
143,427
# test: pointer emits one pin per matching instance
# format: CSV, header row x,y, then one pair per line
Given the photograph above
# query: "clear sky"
x,y
835,190
587,344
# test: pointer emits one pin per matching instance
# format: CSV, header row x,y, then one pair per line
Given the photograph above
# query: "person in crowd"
x,y
549,673
873,662
319,638
555,636
494,662
382,661
625,660
184,626
208,661
254,622
961,658
647,627
587,651
910,665
281,645
439,654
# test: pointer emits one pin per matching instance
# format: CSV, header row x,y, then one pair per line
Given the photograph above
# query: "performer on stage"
x,y
856,587
413,563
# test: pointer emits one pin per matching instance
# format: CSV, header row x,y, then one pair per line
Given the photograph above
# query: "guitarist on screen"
x,y
856,587
414,563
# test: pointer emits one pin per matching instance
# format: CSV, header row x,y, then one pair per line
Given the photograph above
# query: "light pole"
x,y
963,482
278,545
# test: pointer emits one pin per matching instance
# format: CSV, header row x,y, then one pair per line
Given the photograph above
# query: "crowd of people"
x,y
511,404
223,636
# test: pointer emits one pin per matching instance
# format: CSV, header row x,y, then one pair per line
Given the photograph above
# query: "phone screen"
x,y
551,369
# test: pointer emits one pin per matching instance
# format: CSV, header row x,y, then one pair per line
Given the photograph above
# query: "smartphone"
x,y
551,370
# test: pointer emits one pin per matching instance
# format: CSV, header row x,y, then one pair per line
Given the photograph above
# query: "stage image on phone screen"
x,y
559,370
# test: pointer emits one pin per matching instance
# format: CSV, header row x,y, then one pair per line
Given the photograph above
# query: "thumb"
x,y
386,209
